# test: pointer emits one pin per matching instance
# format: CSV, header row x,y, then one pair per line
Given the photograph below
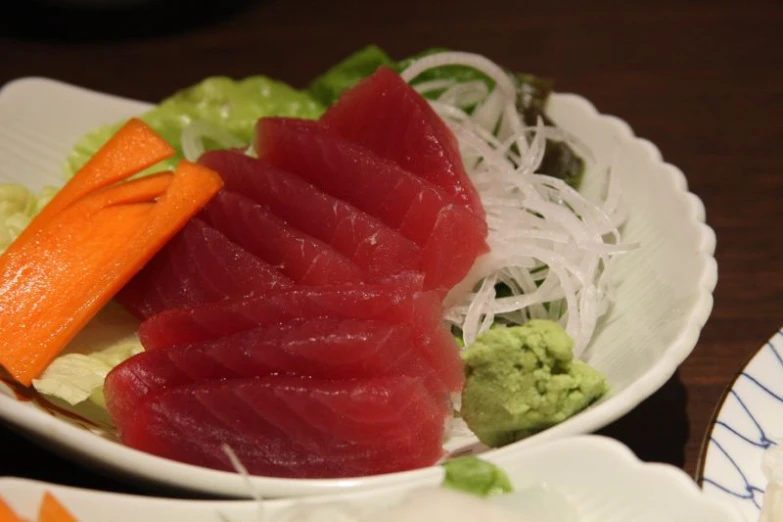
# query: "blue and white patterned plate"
x,y
748,422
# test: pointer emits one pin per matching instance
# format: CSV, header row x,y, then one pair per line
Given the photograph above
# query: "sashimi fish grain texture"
x,y
325,348
212,320
367,241
421,311
292,427
451,235
303,258
371,216
386,115
199,265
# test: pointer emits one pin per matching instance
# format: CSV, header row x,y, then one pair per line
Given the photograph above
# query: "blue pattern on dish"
x,y
748,423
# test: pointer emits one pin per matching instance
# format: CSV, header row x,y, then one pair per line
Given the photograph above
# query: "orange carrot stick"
x,y
191,188
133,148
52,511
142,190
7,514
56,280
51,285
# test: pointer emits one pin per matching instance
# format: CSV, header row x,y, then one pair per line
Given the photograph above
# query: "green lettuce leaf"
x,y
18,205
232,105
87,146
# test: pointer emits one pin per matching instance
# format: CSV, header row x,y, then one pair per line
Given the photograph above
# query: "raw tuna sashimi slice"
x,y
212,320
386,115
293,427
301,257
198,265
437,345
367,241
450,235
325,348
422,311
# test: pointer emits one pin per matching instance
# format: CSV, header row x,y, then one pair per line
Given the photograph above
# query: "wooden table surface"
x,y
703,80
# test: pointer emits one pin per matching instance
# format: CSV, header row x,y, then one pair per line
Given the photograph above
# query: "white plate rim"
x,y
625,463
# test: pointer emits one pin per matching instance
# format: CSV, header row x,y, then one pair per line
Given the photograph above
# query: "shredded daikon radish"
x,y
550,247
242,471
466,94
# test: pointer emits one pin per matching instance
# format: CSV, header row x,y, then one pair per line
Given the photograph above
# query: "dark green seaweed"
x,y
560,160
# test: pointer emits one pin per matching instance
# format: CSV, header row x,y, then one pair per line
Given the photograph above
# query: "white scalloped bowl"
x,y
597,475
663,294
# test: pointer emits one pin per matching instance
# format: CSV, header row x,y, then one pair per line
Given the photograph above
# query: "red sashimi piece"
x,y
437,345
386,115
367,241
293,427
212,320
325,348
450,235
299,256
198,265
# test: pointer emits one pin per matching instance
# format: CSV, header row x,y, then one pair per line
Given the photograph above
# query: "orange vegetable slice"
x,y
52,511
133,148
58,275
7,514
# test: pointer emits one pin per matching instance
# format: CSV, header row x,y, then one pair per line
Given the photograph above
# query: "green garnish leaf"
x,y
476,476
330,85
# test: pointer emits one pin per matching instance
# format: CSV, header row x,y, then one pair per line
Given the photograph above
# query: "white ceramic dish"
x,y
663,294
748,421
599,476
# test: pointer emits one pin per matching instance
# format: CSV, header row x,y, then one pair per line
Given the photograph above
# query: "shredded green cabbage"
x,y
232,105
17,207
78,373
